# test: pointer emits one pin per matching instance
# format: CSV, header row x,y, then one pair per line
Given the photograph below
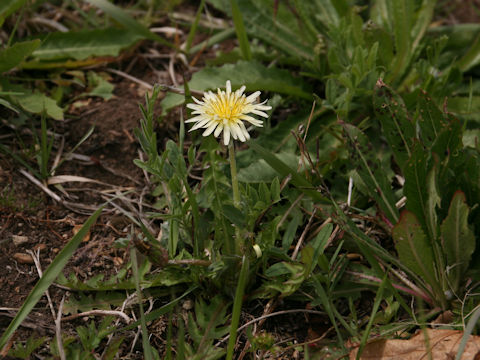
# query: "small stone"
x,y
187,304
19,240
23,258
55,250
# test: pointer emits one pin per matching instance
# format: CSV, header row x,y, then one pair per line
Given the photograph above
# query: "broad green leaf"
x,y
37,103
376,34
415,188
15,54
319,243
34,102
458,239
48,277
80,45
127,21
449,140
413,247
433,201
253,75
401,11
372,174
100,86
396,124
284,170
431,120
260,171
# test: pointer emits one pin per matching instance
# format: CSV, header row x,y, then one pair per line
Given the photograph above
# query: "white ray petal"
x,y
218,130
262,107
238,132
201,124
226,135
197,101
210,128
195,119
252,97
261,113
252,120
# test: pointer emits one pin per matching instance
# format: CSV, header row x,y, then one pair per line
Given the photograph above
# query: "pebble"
x,y
23,258
19,240
40,247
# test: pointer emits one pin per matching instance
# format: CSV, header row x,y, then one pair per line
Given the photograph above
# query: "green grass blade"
x,y
424,19
401,13
127,21
17,158
49,277
471,58
372,175
327,307
237,307
193,29
147,350
212,40
240,30
376,305
466,334
44,153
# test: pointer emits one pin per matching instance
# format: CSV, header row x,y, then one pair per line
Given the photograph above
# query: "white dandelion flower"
x,y
226,111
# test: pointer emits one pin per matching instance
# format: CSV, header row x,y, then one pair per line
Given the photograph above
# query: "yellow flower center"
x,y
226,109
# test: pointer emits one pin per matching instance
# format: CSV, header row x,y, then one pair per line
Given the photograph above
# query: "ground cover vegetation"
x,y
258,179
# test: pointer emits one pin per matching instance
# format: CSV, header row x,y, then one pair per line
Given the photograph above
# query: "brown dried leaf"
x,y
76,229
443,344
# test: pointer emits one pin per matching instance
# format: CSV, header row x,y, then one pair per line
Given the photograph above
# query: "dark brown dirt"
x,y
26,211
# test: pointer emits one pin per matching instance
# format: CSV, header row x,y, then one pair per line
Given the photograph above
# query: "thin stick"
x,y
41,186
99,312
283,312
304,233
58,330
36,260
131,78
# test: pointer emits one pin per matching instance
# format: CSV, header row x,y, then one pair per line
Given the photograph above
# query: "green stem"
x,y
43,147
233,172
236,195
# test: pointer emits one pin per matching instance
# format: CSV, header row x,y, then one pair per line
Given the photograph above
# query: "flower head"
x,y
227,111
